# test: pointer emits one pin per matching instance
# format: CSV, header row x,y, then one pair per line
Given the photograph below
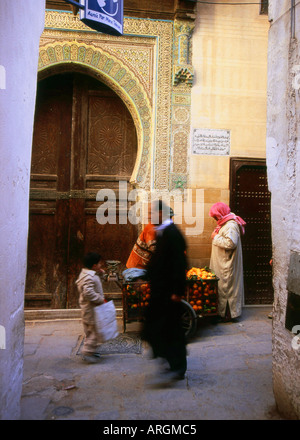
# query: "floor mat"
x,y
124,343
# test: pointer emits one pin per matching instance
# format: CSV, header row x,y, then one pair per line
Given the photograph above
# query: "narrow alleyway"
x,y
229,375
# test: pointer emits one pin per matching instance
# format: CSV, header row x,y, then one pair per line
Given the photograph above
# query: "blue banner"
x,y
103,15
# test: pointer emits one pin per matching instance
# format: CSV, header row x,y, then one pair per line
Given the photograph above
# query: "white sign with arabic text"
x,y
211,141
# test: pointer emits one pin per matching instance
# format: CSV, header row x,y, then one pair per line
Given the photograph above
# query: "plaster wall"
x,y
283,130
229,93
21,24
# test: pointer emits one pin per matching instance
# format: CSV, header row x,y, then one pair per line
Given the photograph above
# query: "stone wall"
x,y
283,130
21,24
230,44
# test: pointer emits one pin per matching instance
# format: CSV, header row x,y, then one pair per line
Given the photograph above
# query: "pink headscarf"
x,y
223,214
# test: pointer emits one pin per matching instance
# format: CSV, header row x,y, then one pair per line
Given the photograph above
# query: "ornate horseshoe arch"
x,y
116,75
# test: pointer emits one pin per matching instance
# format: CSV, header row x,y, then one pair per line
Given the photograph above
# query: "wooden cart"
x,y
202,295
136,296
200,300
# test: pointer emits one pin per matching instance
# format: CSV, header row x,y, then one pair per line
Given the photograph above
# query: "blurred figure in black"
x,y
167,276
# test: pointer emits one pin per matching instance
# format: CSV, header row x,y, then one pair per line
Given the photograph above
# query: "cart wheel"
x,y
188,319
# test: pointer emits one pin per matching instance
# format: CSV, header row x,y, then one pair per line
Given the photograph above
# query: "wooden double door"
x,y
84,140
251,199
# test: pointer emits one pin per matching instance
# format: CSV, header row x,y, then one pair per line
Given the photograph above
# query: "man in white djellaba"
x,y
227,260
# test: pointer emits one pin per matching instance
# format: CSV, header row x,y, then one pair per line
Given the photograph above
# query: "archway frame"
x,y
60,56
149,51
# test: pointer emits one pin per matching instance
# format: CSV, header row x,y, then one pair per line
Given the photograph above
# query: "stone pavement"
x,y
229,374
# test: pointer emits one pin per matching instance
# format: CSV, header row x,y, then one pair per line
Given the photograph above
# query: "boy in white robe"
x,y
90,295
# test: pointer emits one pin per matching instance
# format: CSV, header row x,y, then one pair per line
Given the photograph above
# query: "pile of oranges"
x,y
202,297
197,273
136,296
202,290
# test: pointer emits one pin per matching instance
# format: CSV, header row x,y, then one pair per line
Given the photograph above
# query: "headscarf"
x,y
223,214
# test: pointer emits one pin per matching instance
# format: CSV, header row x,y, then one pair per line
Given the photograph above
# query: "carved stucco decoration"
x,y
118,77
183,76
182,69
138,66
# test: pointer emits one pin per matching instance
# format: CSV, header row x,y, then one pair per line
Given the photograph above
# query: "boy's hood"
x,y
83,274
